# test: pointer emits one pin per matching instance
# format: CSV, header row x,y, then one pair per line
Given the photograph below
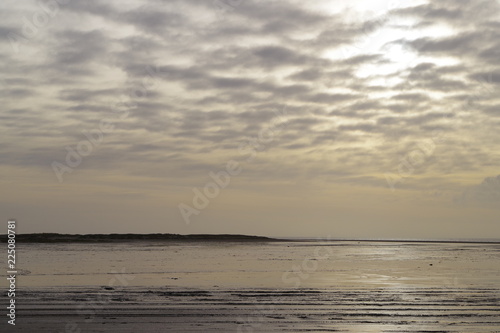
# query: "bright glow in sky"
x,y
360,119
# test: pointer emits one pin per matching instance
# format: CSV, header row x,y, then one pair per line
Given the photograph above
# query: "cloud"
x,y
219,78
485,193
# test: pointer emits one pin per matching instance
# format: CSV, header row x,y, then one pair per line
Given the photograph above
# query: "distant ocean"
x,y
424,240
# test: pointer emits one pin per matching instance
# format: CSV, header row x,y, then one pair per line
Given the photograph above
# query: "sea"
x,y
286,286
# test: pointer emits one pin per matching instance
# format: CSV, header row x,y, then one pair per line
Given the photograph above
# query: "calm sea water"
x,y
255,265
357,287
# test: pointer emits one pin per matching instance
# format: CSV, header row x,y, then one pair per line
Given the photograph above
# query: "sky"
x,y
325,118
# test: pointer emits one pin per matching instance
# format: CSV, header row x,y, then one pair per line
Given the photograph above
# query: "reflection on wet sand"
x,y
261,287
266,310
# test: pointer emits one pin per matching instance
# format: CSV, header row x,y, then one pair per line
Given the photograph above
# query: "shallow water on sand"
x,y
257,265
259,287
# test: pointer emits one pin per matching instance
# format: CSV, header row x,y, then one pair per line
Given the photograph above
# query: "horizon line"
x,y
289,238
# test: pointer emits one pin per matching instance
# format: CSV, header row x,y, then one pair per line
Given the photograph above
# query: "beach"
x,y
250,166
321,286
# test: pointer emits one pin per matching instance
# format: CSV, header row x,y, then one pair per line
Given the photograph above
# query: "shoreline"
x,y
159,237
440,241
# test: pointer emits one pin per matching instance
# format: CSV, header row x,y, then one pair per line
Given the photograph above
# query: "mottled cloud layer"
x,y
182,85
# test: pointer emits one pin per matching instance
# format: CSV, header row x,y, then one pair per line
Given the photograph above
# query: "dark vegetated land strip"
x,y
110,238
104,238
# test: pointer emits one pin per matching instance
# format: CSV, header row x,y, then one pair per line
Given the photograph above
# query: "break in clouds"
x,y
179,85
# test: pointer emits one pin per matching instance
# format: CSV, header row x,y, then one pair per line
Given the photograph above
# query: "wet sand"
x,y
258,287
260,310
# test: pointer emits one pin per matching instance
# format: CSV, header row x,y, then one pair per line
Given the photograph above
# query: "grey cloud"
x,y
95,7
430,76
491,54
277,13
492,110
428,117
458,43
389,120
259,116
235,83
330,98
487,192
431,11
361,59
455,13
7,33
16,93
279,56
411,97
364,105
292,90
78,47
81,95
307,75
368,127
232,70
297,146
486,78
151,19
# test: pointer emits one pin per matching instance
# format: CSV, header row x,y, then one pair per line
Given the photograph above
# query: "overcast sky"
x,y
327,118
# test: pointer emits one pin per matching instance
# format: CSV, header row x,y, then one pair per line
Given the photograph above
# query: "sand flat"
x,y
139,309
259,287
